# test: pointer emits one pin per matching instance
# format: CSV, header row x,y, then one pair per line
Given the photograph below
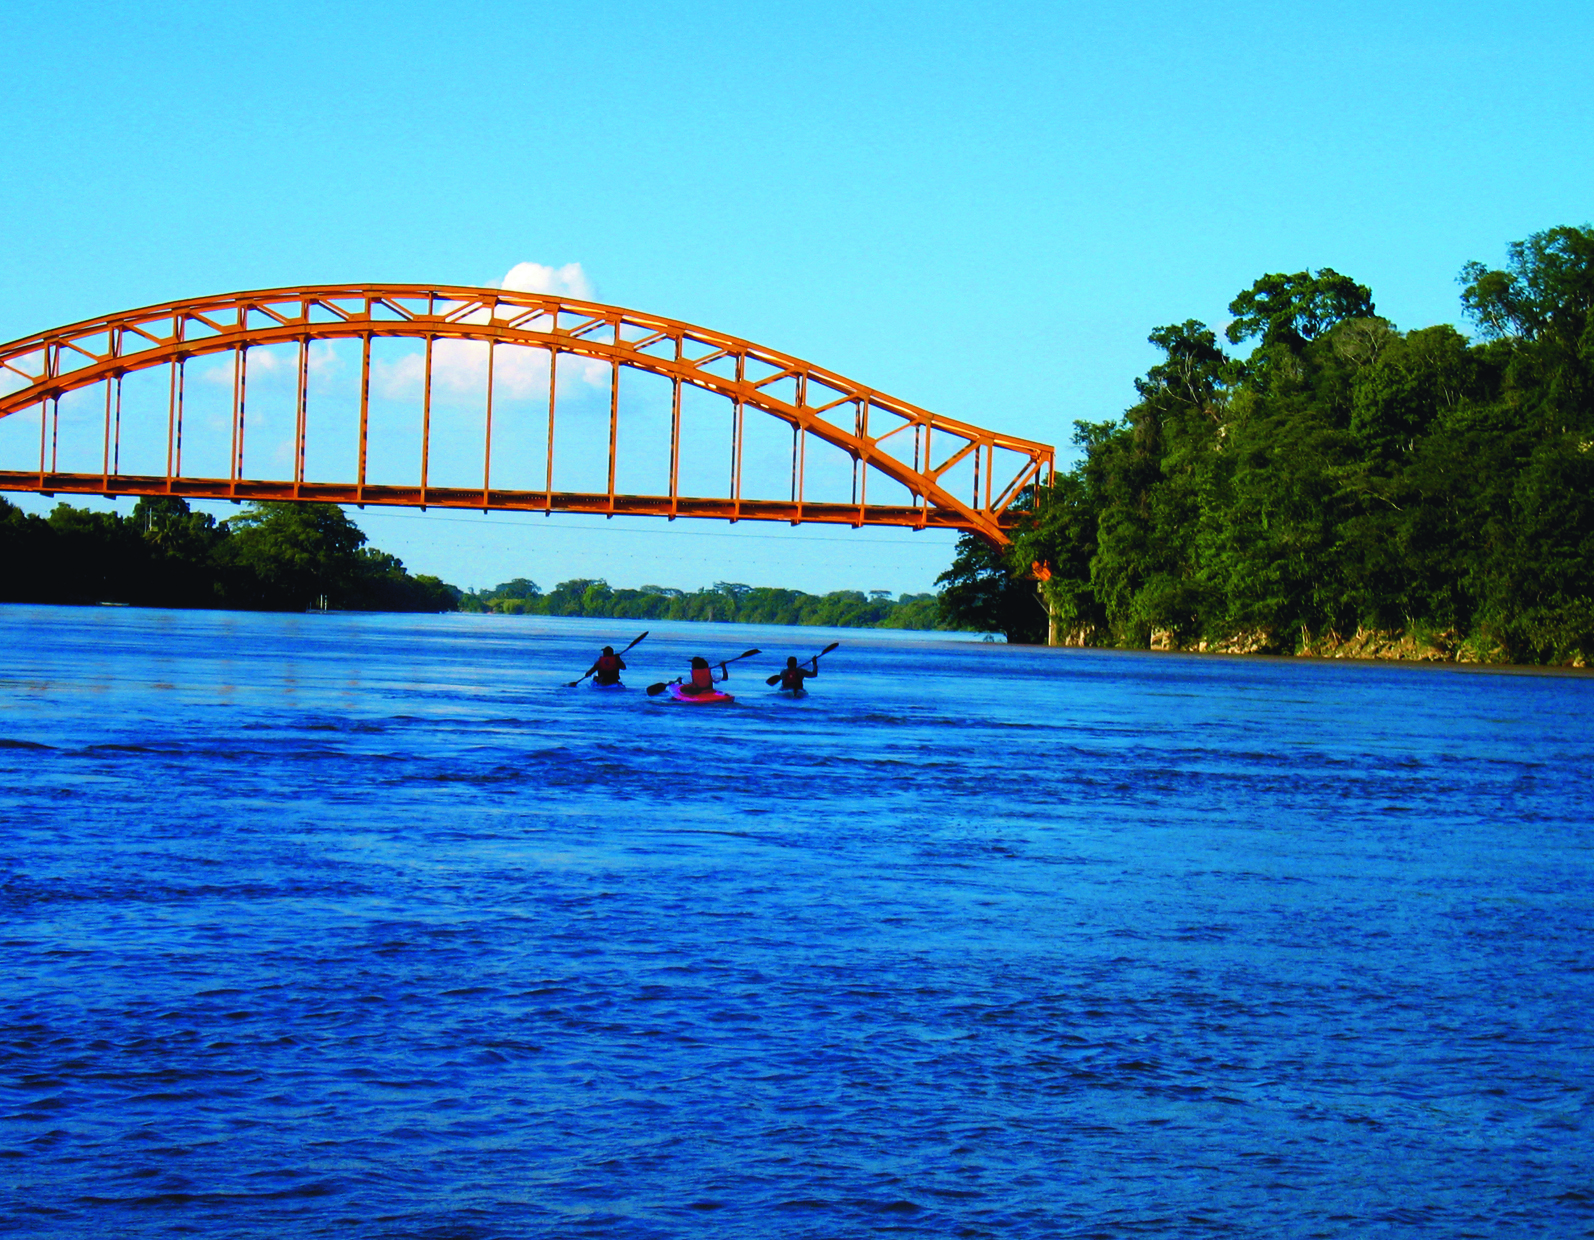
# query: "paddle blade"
x,y
655,690
828,648
644,633
769,680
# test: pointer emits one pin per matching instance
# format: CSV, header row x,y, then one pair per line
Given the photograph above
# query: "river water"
x,y
364,926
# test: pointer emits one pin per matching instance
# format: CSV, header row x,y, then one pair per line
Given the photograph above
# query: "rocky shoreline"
x,y
1442,646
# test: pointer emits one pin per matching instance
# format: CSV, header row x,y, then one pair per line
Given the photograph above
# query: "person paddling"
x,y
794,674
606,671
701,682
609,665
791,677
702,679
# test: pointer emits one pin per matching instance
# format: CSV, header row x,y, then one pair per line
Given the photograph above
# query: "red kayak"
x,y
679,694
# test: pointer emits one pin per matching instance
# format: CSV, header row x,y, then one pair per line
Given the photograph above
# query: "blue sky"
x,y
981,209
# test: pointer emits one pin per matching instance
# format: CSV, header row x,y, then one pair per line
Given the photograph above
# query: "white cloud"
x,y
221,374
460,366
266,366
398,378
324,361
566,281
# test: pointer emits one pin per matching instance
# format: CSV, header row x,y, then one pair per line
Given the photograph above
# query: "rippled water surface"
x,y
366,926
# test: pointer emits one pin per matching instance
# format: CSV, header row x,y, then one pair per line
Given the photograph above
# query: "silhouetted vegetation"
x,y
293,557
272,557
982,593
1343,482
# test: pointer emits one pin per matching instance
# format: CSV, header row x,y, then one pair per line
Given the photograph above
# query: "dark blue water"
x,y
363,926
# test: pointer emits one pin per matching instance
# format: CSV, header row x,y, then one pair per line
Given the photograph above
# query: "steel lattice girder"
x,y
53,363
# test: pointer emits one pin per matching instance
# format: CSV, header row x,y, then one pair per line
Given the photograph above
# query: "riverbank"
x,y
1364,645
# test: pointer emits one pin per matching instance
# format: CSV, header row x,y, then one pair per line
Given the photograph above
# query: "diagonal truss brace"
x,y
50,364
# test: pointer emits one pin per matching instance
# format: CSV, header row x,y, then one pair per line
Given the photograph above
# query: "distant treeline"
x,y
1346,485
271,557
724,601
293,557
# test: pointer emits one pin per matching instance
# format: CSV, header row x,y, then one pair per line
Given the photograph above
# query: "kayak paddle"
x,y
594,668
769,680
655,690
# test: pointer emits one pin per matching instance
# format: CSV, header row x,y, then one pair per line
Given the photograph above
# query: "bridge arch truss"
x,y
946,473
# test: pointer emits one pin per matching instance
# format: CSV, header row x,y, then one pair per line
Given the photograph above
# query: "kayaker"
x,y
606,671
793,675
702,679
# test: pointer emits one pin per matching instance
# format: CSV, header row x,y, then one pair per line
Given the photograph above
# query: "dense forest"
x,y
1344,487
272,557
724,601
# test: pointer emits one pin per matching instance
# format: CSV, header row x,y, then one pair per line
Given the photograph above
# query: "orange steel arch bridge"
x,y
908,466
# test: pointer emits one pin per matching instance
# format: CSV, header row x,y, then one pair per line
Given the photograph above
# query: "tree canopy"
x,y
724,601
1292,310
273,557
1346,477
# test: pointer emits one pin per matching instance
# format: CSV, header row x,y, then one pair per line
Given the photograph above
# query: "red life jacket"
x,y
703,677
792,677
608,664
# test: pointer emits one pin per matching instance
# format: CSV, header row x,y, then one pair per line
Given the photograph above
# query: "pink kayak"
x,y
677,693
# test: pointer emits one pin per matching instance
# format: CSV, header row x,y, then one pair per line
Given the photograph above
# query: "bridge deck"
x,y
598,503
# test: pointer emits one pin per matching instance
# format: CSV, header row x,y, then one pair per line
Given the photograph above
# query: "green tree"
x,y
568,597
1346,475
985,594
1290,310
1540,309
295,554
1412,379
164,555
1546,289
